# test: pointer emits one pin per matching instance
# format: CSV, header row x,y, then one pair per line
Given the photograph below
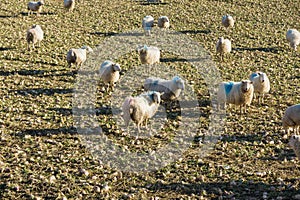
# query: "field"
x,y
42,155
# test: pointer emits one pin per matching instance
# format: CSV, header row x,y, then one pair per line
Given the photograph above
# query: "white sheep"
x,y
295,144
261,84
35,7
69,4
171,89
163,22
291,118
148,23
149,55
109,72
34,35
223,46
237,93
78,56
293,37
227,21
141,108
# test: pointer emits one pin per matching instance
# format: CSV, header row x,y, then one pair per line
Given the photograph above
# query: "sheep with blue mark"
x,y
148,23
171,88
141,108
237,93
261,84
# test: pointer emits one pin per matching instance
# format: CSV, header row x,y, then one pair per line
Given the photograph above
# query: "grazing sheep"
x,y
34,35
238,93
109,72
227,21
78,56
149,55
148,23
261,84
69,4
139,109
223,46
35,7
171,89
163,22
295,144
291,118
293,36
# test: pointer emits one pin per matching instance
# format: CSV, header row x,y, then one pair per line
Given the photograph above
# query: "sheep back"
x,y
261,82
171,89
149,55
69,4
163,22
293,37
291,117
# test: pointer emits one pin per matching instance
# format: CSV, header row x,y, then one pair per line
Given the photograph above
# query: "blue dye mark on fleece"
x,y
155,83
228,87
253,75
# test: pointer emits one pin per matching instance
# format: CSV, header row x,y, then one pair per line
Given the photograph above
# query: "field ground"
x,y
42,155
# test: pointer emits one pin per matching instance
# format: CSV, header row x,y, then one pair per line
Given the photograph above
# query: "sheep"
x,y
291,118
294,142
78,56
223,46
148,23
35,7
155,1
34,35
69,4
171,88
109,72
261,84
227,21
238,93
163,22
149,55
293,37
139,109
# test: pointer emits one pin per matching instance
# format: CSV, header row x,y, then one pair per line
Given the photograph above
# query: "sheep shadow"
x,y
104,34
147,2
35,62
175,59
41,91
82,111
194,32
46,132
39,73
241,189
6,48
261,49
42,13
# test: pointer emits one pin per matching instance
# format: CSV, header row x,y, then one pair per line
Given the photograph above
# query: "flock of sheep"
x,y
144,106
